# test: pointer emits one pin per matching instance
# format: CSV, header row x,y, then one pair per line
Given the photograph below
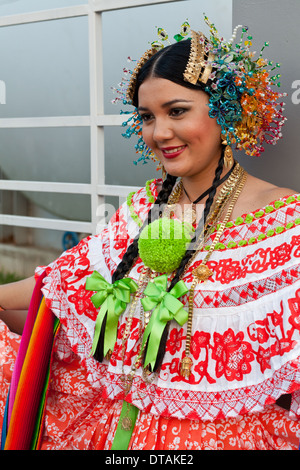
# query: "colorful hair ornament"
x,y
241,97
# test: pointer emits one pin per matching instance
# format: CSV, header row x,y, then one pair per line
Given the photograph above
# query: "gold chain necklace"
x,y
202,273
230,190
224,194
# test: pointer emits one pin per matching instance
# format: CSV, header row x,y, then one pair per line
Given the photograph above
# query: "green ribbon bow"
x,y
167,307
113,299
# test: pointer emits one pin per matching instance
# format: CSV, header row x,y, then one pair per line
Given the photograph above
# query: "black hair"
x,y
168,63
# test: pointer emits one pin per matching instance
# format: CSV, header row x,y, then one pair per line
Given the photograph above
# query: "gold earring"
x,y
228,155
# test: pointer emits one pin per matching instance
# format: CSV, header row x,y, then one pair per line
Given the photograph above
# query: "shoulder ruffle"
x,y
275,218
64,284
246,327
140,202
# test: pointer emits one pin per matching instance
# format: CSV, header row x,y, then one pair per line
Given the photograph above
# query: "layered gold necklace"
x,y
221,211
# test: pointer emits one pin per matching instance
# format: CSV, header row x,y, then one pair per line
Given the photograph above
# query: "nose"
x,y
162,130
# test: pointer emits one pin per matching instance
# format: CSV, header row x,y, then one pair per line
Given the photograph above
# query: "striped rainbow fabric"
x,y
23,420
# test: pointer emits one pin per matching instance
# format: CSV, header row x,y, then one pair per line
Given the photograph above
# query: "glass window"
x,y
45,67
49,154
12,7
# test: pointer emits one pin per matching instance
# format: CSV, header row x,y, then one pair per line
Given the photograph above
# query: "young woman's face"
x,y
177,127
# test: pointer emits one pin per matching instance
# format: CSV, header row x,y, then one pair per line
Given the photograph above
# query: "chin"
x,y
174,168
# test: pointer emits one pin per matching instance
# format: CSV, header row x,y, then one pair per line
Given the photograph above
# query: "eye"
x,y
177,112
146,117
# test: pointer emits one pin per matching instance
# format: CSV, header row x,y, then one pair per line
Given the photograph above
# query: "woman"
x,y
194,335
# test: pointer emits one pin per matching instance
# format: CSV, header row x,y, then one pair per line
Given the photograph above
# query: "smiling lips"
x,y
172,152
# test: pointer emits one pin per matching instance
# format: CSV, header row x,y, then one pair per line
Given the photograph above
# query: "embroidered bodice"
x,y
246,325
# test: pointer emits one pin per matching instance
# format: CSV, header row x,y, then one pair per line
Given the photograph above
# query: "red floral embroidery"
x,y
296,243
174,367
201,369
259,331
199,340
263,358
132,350
294,305
227,270
84,306
280,255
174,342
233,355
270,331
121,245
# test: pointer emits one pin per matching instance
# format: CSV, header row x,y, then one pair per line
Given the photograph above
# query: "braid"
x,y
212,194
189,253
132,251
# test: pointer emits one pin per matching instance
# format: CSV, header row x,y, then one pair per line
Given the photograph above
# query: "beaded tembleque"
x,y
241,90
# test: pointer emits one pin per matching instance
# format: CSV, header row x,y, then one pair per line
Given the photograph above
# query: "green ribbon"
x,y
122,437
113,299
166,307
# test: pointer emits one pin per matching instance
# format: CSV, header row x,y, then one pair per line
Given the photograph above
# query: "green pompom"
x,y
163,243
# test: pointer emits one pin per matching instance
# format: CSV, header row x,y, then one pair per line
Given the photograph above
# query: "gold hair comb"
x,y
132,82
198,68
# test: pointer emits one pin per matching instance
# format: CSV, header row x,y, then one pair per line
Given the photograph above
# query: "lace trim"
x,y
186,404
253,240
151,193
273,206
77,316
245,219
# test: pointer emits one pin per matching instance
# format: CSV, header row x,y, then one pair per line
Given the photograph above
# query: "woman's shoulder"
x,y
268,192
258,194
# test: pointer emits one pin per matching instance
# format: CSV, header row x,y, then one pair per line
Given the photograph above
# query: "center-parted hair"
x,y
168,63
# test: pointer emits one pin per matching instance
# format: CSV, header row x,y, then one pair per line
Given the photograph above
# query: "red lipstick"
x,y
172,152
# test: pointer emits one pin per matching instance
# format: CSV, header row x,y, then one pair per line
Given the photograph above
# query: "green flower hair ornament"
x,y
241,94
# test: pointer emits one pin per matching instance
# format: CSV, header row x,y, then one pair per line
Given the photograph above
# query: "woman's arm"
x,y
14,319
15,299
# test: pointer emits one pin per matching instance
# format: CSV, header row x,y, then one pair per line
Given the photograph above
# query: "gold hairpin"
x,y
198,68
132,83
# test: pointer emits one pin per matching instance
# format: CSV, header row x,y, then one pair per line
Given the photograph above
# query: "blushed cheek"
x,y
148,138
207,130
207,125
208,137
213,129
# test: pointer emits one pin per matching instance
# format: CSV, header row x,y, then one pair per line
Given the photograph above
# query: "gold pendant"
x,y
186,367
228,157
189,214
126,424
202,272
108,354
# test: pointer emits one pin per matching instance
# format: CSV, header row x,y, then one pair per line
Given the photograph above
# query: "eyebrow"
x,y
167,104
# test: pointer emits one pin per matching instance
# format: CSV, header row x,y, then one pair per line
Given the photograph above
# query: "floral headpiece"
x,y
239,86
